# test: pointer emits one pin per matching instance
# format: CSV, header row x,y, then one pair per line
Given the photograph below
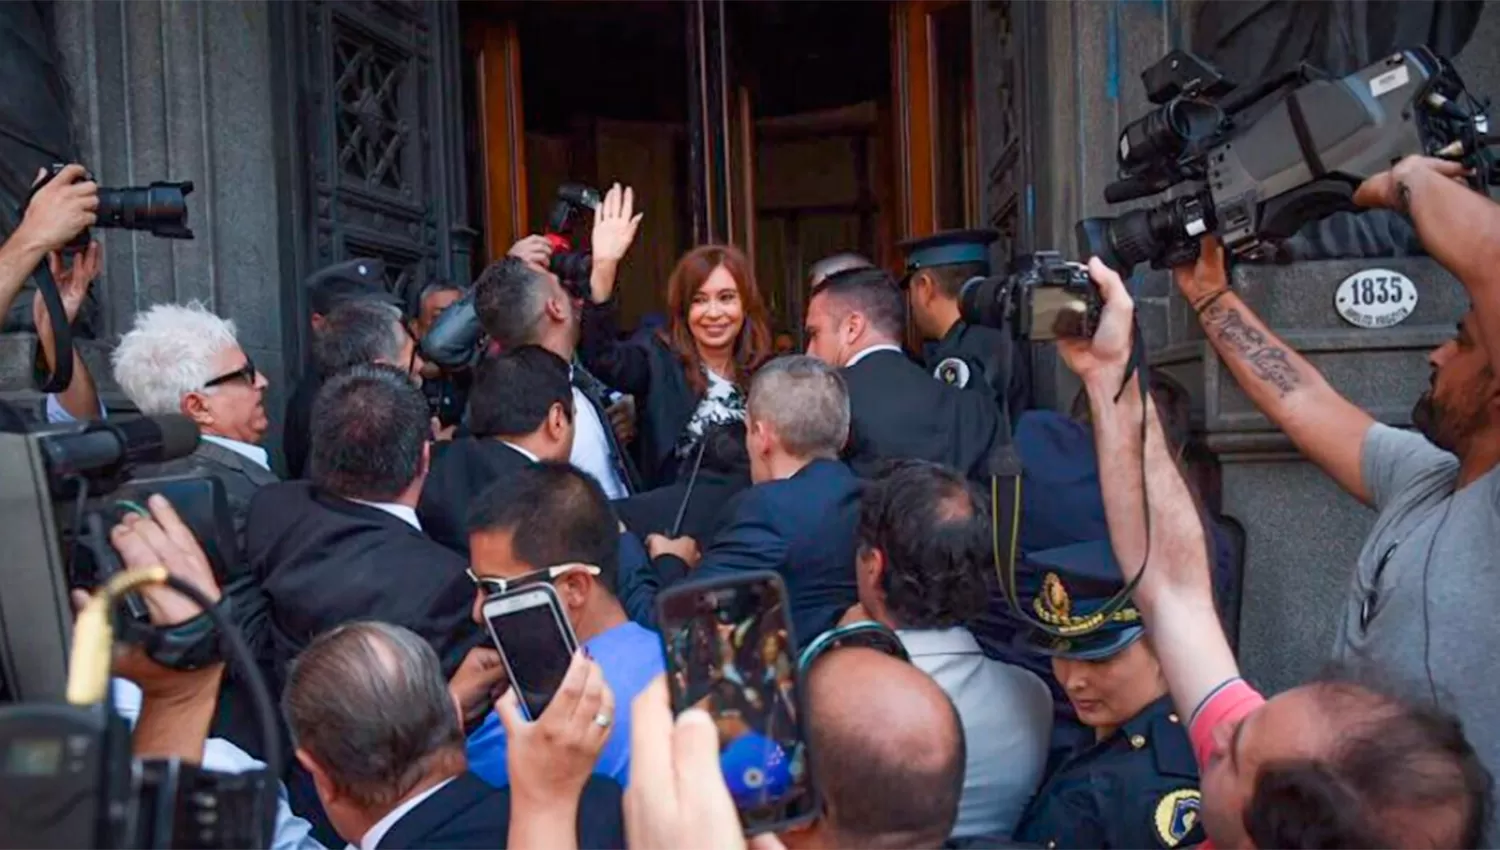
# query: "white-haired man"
x,y
184,359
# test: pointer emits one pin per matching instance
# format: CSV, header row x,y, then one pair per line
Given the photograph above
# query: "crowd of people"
x,y
616,465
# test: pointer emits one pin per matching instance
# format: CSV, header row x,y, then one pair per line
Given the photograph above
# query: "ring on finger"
x,y
602,720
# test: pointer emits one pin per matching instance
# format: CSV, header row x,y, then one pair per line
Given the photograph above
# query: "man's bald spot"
x,y
888,745
836,264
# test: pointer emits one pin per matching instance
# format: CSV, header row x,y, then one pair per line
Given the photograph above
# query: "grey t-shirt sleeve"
x,y
1393,459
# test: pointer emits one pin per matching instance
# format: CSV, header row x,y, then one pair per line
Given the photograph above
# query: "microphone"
x,y
103,449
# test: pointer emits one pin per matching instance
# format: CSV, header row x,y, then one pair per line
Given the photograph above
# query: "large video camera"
x,y
456,337
1264,174
1043,297
67,778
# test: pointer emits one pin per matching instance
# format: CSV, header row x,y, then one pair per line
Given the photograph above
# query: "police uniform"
x,y
972,355
1139,786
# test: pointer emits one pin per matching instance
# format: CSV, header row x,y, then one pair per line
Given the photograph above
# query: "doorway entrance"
x,y
791,129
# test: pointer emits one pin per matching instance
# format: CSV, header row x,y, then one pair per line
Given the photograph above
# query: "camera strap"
x,y
1005,501
62,334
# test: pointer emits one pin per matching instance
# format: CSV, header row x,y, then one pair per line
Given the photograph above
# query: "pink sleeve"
x,y
1230,703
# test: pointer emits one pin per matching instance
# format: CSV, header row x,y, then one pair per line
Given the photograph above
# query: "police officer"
x,y
937,267
1134,781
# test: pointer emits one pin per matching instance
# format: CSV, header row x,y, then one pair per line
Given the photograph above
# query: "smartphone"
x,y
535,640
730,651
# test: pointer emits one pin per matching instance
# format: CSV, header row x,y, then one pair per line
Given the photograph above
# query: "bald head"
x,y
889,750
830,266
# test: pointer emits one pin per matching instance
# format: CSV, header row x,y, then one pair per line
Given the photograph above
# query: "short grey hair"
x,y
369,703
805,401
510,298
169,352
358,332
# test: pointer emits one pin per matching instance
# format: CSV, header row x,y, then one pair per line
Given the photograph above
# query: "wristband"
x,y
1207,301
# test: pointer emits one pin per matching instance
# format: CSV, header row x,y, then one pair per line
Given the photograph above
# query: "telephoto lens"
x,y
1162,235
160,208
985,301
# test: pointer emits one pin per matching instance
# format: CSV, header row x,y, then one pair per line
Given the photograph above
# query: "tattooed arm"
x,y
1326,427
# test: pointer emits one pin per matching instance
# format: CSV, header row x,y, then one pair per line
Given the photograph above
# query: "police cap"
x,y
948,248
1067,587
359,278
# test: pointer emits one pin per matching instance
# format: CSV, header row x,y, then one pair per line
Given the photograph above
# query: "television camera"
x,y
67,778
1261,168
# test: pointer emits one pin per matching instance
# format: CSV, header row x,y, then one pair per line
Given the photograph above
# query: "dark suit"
x,y
899,411
648,369
997,362
461,471
654,511
241,478
470,813
296,425
803,528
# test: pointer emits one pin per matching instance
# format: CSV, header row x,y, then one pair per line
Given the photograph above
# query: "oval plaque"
x,y
1375,298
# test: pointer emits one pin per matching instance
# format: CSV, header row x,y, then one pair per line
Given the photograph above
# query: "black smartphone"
x,y
535,640
730,651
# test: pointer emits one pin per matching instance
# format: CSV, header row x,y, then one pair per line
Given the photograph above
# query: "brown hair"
x,y
753,345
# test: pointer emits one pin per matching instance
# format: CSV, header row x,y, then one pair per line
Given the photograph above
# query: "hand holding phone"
x,y
550,759
535,640
731,653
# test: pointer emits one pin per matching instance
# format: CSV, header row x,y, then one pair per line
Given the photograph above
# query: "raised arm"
x,y
1459,228
58,212
1175,594
81,397
625,366
1325,426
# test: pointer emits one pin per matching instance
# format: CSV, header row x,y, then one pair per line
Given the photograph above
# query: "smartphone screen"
x,y
535,642
731,652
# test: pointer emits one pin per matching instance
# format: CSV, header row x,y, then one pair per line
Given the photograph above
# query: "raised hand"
x,y
60,210
164,539
1105,355
1385,190
534,250
550,758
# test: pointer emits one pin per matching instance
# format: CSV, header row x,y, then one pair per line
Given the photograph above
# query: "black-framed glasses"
x,y
866,633
497,586
246,373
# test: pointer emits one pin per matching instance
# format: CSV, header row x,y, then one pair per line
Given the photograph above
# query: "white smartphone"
x,y
535,640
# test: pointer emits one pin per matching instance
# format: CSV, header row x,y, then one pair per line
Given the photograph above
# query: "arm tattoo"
x,y
1268,361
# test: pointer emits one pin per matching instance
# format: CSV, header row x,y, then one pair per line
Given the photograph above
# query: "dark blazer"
x,y
461,471
324,560
654,511
242,479
899,411
296,425
470,813
802,527
649,370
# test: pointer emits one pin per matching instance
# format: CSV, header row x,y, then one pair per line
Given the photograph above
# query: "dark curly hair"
x,y
933,531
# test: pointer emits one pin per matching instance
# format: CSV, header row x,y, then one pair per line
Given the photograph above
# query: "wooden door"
x,y
497,48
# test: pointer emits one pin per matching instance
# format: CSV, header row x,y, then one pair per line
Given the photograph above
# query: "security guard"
x,y
1134,782
937,267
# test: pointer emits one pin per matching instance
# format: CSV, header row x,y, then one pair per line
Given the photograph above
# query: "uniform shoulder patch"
x,y
1176,815
953,370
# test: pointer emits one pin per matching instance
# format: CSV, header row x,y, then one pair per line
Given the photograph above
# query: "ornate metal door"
x,y
1004,81
381,165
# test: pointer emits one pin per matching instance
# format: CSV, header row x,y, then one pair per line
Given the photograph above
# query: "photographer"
x,y
55,215
1410,609
1333,763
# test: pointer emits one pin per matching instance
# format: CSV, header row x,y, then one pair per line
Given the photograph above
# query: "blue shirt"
x,y
630,657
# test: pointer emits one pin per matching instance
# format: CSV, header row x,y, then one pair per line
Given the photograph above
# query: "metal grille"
x,y
1002,112
368,93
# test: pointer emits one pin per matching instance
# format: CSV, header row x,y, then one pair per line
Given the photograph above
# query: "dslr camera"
x,y
160,208
1256,165
1043,298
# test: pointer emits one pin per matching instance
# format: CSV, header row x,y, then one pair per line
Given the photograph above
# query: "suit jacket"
x,y
803,528
899,411
323,561
242,479
648,369
470,813
654,511
296,425
461,471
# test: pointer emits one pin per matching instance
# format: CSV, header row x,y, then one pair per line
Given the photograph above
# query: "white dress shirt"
x,y
371,839
254,454
525,452
884,346
591,447
401,512
1006,714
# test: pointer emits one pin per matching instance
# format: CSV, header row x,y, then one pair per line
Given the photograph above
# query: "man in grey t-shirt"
x,y
1420,607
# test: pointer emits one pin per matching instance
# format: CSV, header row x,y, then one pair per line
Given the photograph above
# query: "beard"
x,y
1441,426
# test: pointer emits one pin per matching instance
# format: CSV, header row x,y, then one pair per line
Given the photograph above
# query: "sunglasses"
x,y
497,586
245,373
867,633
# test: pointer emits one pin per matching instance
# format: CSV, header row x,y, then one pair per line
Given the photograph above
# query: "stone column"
x,y
168,90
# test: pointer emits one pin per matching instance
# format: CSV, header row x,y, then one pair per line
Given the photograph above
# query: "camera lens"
x,y
1162,134
985,301
160,208
1148,234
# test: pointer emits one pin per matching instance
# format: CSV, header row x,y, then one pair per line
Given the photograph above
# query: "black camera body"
x,y
1043,298
571,267
160,208
1261,180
